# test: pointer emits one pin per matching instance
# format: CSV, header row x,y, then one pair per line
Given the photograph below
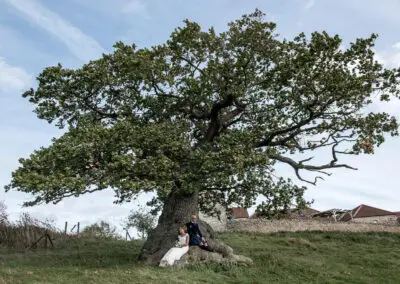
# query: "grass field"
x,y
302,257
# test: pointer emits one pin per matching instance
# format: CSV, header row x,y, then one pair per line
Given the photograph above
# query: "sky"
x,y
35,34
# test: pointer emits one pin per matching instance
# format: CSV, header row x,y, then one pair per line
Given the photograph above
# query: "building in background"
x,y
368,214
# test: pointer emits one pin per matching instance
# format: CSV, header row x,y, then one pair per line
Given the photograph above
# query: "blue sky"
x,y
37,33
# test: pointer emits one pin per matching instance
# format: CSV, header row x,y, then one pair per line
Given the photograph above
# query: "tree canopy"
x,y
208,112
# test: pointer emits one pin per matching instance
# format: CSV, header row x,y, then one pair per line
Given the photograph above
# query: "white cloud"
x,y
309,4
380,11
13,78
81,45
396,45
134,7
117,8
391,57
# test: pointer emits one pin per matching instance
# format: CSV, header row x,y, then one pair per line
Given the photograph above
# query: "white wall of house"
x,y
389,220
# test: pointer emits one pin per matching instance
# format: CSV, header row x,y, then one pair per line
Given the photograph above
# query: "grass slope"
x,y
302,257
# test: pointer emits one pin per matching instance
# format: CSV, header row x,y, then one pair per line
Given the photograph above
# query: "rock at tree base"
x,y
224,256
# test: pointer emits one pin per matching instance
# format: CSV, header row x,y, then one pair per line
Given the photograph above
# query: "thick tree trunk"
x,y
176,213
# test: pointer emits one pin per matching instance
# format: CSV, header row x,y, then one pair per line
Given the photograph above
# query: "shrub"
x,y
101,229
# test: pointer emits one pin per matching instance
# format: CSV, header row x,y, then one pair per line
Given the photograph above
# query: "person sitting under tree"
x,y
175,253
195,236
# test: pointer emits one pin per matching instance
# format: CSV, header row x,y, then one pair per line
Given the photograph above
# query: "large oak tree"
x,y
205,117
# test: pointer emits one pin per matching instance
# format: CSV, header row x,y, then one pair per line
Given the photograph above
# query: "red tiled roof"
x,y
239,213
363,211
369,211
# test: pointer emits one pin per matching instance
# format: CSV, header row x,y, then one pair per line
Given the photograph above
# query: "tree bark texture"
x,y
176,213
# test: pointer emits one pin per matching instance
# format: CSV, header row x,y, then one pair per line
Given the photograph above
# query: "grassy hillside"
x,y
303,257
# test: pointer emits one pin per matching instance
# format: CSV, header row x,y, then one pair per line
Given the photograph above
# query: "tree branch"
x,y
97,110
159,92
196,68
214,125
297,166
57,199
312,115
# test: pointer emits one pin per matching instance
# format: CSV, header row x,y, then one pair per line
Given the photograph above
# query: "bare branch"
x,y
307,181
297,166
345,152
305,160
325,173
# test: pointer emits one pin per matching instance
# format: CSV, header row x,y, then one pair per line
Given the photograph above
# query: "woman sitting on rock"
x,y
175,253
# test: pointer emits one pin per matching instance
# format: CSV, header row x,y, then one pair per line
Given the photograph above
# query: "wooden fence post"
x,y
127,235
78,229
66,227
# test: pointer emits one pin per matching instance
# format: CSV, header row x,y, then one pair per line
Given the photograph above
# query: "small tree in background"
x,y
281,197
142,220
3,213
100,229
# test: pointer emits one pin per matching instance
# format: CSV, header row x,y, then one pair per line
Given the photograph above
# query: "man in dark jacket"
x,y
195,236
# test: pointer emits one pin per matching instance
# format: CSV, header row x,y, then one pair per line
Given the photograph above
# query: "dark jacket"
x,y
193,230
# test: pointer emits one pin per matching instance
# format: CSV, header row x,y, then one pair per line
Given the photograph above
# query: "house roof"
x,y
363,211
239,212
397,213
369,211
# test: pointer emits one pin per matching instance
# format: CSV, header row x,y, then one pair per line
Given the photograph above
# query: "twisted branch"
x,y
297,166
